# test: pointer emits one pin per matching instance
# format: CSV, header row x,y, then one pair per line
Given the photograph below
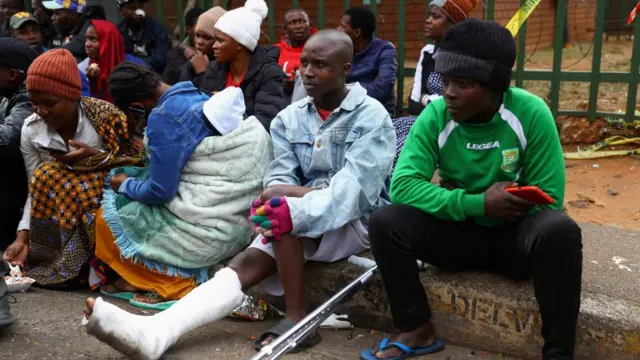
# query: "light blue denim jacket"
x,y
349,156
174,130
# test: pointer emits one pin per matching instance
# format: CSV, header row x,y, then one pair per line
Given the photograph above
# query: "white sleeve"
x,y
26,216
429,98
416,91
32,159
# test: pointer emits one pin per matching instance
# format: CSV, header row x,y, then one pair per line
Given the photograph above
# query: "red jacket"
x,y
289,59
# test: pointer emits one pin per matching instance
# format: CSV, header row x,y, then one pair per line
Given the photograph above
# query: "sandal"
x,y
282,327
368,354
160,306
118,294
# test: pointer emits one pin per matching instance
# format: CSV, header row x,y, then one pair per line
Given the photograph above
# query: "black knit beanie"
x,y
481,50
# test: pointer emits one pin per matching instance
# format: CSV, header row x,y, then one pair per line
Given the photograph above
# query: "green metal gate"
x,y
555,76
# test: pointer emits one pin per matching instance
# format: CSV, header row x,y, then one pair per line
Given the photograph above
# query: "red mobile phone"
x,y
531,193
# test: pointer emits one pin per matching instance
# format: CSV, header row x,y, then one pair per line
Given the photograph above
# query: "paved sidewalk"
x,y
48,327
486,311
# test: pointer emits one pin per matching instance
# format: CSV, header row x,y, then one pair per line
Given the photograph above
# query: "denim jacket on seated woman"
x,y
348,157
174,129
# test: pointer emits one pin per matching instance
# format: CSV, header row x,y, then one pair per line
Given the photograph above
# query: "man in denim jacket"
x,y
332,158
333,153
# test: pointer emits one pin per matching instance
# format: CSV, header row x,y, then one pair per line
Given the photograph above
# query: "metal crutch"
x,y
291,338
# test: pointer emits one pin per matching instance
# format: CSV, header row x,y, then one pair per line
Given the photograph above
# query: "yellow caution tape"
x,y
591,152
620,123
521,16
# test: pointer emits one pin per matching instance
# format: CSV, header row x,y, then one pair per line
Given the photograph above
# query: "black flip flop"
x,y
282,327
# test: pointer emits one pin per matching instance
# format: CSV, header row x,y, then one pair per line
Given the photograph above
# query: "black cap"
x,y
480,50
122,3
191,18
16,54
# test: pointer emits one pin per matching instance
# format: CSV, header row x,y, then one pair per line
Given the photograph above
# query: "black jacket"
x,y
262,86
76,45
421,86
13,177
175,63
4,30
152,47
186,72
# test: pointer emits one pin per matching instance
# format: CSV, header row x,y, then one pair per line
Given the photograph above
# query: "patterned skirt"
x,y
402,126
63,207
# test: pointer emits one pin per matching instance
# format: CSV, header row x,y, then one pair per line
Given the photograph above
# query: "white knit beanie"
x,y
225,109
243,24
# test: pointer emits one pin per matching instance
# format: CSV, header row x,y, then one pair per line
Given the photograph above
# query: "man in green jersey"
x,y
484,136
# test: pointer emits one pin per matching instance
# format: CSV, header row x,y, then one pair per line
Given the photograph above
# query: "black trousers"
x,y
546,246
4,290
8,225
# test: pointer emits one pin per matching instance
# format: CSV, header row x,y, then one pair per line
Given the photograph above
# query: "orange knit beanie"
x,y
456,10
56,73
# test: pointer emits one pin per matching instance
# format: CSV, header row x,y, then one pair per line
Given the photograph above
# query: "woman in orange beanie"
x,y
427,85
68,146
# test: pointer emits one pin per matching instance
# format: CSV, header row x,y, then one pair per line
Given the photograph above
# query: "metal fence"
x,y
555,76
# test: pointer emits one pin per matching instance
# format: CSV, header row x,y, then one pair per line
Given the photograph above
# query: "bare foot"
x,y
149,298
120,285
91,302
420,337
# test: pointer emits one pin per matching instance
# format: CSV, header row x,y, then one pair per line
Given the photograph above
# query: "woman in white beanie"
x,y
240,62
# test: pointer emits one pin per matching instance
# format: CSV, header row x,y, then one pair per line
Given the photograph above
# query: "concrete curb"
x,y
485,312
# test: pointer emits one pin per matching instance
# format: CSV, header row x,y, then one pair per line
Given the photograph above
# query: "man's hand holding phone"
x,y
498,202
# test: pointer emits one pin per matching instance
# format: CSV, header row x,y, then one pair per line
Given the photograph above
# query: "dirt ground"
x,y
612,97
613,182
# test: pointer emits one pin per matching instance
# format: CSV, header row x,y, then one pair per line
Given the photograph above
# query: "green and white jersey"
x,y
519,144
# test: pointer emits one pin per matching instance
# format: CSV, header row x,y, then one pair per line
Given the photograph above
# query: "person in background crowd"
x,y
143,36
180,55
322,201
94,12
427,85
15,58
25,27
240,62
190,21
193,140
205,38
105,51
68,145
71,26
374,64
298,30
484,136
8,8
43,15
